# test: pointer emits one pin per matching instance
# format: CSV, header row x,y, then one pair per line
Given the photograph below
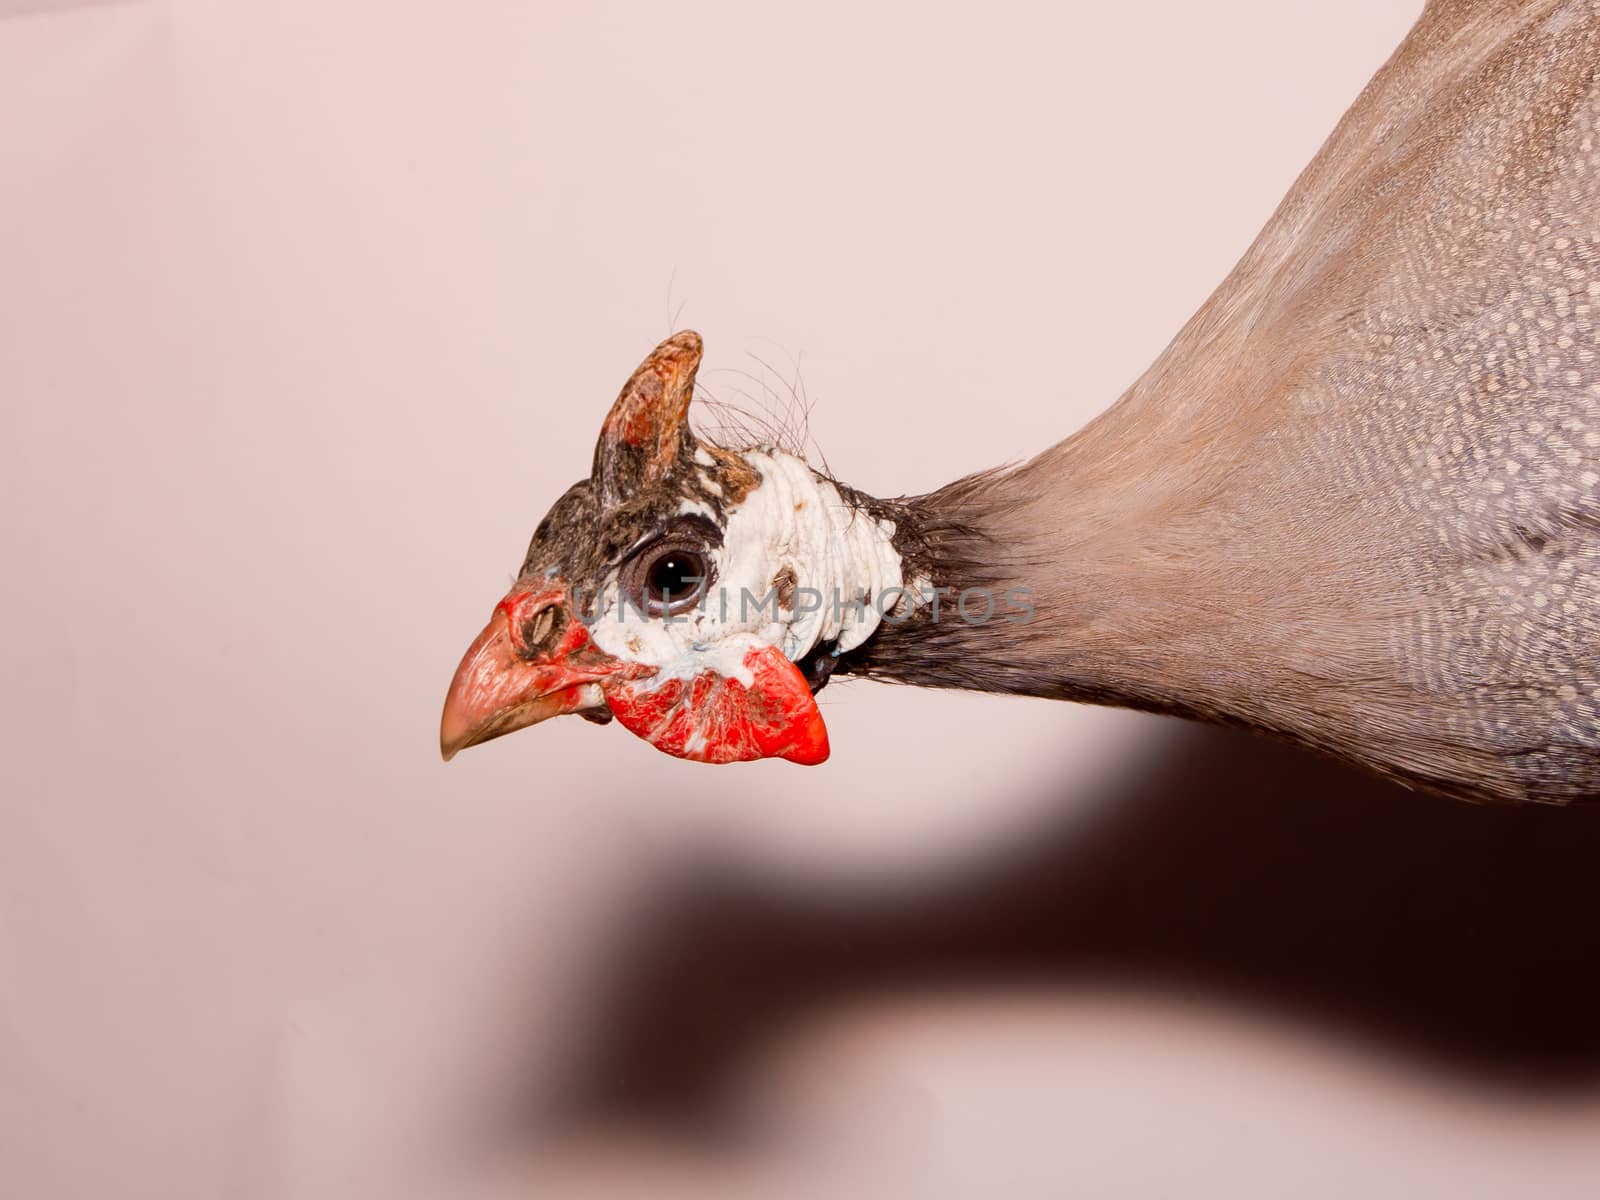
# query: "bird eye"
x,y
674,576
668,579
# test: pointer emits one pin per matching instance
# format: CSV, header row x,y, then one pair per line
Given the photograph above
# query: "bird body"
x,y
1354,504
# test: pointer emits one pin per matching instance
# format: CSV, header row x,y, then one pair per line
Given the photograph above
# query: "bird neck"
x,y
1066,579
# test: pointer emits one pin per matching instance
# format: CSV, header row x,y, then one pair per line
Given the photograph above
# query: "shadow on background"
x,y
1229,865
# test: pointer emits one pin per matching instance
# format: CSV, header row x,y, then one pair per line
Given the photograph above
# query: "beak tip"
x,y
455,733
454,737
451,739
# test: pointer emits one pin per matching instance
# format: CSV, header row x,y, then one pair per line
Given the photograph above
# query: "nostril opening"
x,y
535,621
539,631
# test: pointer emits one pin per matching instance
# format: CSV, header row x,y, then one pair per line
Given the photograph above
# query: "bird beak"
x,y
532,661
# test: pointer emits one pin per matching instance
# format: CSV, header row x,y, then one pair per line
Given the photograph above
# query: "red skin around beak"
x,y
520,670
503,684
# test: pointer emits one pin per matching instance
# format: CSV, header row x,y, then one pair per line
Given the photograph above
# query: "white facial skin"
x,y
792,520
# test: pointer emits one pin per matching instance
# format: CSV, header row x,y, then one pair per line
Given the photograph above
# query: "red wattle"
x,y
714,719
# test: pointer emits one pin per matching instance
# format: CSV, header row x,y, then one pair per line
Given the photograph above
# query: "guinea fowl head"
x,y
666,591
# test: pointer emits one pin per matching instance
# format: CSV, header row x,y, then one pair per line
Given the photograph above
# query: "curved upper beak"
x,y
532,661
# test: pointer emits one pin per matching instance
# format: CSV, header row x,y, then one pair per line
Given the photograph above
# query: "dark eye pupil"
x,y
674,576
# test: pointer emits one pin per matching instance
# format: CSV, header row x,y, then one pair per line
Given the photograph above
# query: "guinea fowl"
x,y
1354,504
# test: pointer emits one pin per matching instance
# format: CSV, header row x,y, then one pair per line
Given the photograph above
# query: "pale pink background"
x,y
307,312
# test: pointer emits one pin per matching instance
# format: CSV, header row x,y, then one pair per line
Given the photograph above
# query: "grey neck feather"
x,y
1073,614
